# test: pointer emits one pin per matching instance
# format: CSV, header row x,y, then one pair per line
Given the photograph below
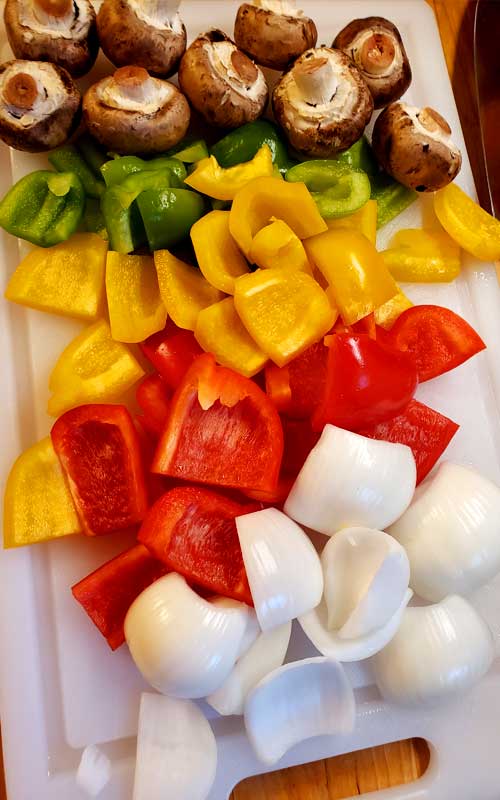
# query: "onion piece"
x,y
94,771
176,750
451,533
266,654
438,652
303,699
349,480
282,566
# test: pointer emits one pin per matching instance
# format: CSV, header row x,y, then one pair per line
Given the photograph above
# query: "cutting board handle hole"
x,y
389,765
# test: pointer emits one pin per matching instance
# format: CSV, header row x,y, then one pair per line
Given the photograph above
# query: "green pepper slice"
x,y
68,159
92,154
116,171
93,219
337,190
169,214
243,143
44,207
392,197
359,157
189,152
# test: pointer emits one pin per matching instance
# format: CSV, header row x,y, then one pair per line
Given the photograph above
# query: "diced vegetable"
x,y
242,144
94,771
336,189
467,223
219,259
220,331
277,247
135,307
116,171
364,221
184,290
392,197
297,388
68,159
223,184
168,215
421,256
153,397
386,315
171,352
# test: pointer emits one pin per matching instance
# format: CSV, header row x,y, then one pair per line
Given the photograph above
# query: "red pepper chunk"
x,y
427,432
437,338
171,352
107,594
193,532
222,430
153,397
296,388
99,450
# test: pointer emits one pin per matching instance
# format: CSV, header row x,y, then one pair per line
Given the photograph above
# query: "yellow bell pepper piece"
x,y
183,289
93,368
220,331
386,315
418,256
467,223
219,259
284,312
222,184
364,221
37,504
264,198
355,272
277,247
135,307
66,279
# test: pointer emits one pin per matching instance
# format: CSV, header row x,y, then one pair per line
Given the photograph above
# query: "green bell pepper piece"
x,y
68,159
93,219
169,214
92,154
44,207
243,143
189,152
116,171
359,157
337,190
392,197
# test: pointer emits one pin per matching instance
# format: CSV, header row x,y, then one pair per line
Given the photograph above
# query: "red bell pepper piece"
x,y
438,339
107,594
366,383
300,439
222,430
99,450
366,325
192,531
171,352
296,388
153,397
426,431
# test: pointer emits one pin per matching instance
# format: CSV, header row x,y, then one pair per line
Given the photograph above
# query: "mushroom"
x,y
221,82
61,31
148,33
273,32
131,112
376,47
414,146
39,105
323,104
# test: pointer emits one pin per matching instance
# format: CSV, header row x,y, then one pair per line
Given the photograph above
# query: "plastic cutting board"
x,y
60,686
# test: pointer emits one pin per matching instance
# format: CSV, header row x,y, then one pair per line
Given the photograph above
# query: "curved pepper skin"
x,y
135,306
44,207
218,256
37,504
386,315
392,197
153,398
92,368
419,256
68,159
277,247
222,184
355,271
467,223
263,198
337,190
243,143
168,215
363,221
184,290
116,171
171,352
66,279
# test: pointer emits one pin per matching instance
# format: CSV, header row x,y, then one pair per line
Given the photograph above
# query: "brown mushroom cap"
x,y
33,34
322,103
376,47
126,38
221,82
39,105
414,146
132,112
273,40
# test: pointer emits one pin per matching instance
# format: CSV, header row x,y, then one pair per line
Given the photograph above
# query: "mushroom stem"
x,y
133,83
316,81
377,53
52,9
20,91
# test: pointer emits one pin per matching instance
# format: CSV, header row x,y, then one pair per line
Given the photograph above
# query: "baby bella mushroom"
x,y
273,32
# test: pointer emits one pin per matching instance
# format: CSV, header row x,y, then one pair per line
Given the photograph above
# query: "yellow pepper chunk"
x,y
220,331
135,306
184,290
37,504
386,315
93,368
467,223
264,198
356,273
284,312
277,247
418,256
364,221
222,184
66,279
217,254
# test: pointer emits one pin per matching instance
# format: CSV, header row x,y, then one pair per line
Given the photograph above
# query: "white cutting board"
x,y
60,686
